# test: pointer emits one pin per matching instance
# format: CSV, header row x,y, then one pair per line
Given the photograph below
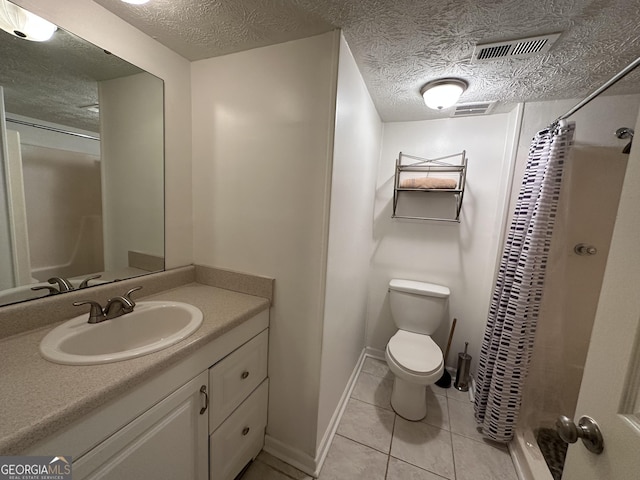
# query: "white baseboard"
x,y
290,455
302,461
330,432
374,352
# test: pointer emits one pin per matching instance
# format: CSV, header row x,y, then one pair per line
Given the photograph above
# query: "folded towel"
x,y
429,182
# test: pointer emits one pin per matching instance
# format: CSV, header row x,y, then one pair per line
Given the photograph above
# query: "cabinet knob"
x,y
245,431
244,375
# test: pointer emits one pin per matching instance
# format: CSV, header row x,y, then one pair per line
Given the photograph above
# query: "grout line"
x,y
421,468
393,431
453,453
362,444
484,441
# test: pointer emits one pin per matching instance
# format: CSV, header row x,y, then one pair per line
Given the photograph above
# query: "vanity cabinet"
x,y
161,429
169,441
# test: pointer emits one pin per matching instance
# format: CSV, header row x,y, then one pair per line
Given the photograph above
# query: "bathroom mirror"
x,y
82,157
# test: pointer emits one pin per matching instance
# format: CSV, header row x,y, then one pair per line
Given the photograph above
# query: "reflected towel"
x,y
429,182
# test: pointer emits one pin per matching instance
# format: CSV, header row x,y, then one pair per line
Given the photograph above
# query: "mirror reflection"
x,y
82,157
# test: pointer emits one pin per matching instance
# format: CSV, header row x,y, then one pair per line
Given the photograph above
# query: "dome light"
x,y
24,24
443,93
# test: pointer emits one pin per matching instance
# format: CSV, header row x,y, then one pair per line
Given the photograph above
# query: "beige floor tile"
x,y
348,460
456,394
282,467
423,445
399,470
367,424
373,390
437,411
437,390
462,420
262,471
376,367
481,461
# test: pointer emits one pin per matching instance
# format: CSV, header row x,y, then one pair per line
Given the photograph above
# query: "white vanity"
x,y
195,410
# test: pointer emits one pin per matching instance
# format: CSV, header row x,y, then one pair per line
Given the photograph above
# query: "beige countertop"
x,y
37,397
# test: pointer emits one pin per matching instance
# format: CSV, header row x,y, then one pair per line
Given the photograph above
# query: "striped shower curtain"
x,y
508,339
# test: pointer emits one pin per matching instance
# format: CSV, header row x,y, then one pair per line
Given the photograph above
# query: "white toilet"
x,y
416,361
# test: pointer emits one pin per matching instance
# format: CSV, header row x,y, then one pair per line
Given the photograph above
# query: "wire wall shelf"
x,y
444,176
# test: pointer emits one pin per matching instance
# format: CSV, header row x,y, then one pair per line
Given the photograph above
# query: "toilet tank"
x,y
417,307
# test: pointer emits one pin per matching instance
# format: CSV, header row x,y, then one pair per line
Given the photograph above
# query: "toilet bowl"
x,y
416,361
413,357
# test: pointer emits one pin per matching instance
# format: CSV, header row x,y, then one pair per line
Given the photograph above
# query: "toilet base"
x,y
409,400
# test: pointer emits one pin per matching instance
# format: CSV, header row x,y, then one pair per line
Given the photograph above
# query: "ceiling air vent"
x,y
519,48
471,109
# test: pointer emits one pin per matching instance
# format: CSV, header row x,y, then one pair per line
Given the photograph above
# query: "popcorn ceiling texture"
x,y
401,44
50,81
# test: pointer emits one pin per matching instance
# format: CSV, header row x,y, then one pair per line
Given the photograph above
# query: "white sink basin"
x,y
152,326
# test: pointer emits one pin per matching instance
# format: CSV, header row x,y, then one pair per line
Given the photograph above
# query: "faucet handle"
x,y
85,282
128,294
64,285
52,290
96,314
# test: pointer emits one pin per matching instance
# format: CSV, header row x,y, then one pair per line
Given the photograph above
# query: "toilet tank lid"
x,y
419,288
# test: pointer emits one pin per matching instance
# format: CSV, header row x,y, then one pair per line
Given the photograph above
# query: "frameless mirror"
x,y
82,167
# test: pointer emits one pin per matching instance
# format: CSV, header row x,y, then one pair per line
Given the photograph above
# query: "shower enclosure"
x,y
580,245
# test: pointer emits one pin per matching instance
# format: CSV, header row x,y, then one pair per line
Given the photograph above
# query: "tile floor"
x,y
373,443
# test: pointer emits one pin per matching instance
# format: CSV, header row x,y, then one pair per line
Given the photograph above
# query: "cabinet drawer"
x,y
233,378
240,438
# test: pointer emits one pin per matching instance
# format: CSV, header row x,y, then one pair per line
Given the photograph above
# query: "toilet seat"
x,y
416,357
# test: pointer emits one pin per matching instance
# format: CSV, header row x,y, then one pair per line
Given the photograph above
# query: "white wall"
x,y
460,256
132,168
63,211
262,146
100,27
358,133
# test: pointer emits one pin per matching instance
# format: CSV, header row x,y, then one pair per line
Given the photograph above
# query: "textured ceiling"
x,y
401,44
398,44
53,80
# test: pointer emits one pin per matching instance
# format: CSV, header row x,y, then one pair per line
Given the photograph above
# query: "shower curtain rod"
x,y
617,77
52,129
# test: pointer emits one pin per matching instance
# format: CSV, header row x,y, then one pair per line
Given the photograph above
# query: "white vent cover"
x,y
519,48
470,109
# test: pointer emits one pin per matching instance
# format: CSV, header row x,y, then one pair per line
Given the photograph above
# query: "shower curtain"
x,y
508,339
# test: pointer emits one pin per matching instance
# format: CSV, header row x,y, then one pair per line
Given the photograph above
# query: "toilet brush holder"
x,y
464,366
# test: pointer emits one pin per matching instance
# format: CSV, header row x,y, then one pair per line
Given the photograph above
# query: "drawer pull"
x,y
203,390
245,431
244,375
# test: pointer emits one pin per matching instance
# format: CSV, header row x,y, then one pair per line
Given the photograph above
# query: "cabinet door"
x,y
169,441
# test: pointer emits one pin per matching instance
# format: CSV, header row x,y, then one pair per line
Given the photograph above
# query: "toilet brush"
x,y
445,379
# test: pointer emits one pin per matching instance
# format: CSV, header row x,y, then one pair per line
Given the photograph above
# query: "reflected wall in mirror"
x,y
82,157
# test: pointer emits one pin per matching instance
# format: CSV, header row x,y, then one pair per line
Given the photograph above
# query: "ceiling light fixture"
x,y
135,2
443,93
24,24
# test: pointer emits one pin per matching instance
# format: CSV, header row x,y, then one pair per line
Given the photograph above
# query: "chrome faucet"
x,y
96,314
63,285
115,307
85,282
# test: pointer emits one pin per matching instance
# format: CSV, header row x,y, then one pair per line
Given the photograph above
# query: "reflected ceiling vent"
x,y
473,109
519,48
